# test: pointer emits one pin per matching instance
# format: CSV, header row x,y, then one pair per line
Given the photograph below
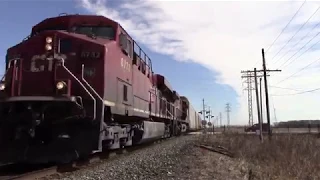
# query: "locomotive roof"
x,y
66,21
185,99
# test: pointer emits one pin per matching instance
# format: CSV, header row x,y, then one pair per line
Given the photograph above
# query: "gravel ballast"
x,y
176,158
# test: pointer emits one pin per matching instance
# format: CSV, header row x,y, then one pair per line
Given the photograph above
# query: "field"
x,y
285,157
274,130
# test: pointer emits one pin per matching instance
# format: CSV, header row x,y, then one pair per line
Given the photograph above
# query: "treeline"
x,y
298,124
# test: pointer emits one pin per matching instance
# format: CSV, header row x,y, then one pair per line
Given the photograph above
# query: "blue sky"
x,y
202,53
188,78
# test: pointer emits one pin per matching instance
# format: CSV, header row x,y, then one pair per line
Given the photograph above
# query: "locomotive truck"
x,y
78,85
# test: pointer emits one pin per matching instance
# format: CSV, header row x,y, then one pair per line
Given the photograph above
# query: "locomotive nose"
x,y
34,73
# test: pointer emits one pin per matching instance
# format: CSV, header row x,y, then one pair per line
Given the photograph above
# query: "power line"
x,y
302,92
286,26
297,71
300,50
296,33
283,29
283,88
299,41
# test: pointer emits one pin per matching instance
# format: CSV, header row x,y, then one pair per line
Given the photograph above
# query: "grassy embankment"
x,y
284,157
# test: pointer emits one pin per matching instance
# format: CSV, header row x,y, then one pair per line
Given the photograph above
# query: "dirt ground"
x,y
202,164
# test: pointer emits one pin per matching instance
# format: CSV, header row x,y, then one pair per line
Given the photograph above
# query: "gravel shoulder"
x,y
177,158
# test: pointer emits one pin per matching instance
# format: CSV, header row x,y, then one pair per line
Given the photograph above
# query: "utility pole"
x,y
203,110
220,116
266,90
258,107
228,110
261,111
264,71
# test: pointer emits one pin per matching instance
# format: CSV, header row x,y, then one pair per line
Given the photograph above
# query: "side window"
x,y
123,42
139,63
148,69
143,69
130,48
125,93
65,46
141,59
126,45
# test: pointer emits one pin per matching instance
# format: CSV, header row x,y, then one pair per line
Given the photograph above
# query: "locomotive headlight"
x,y
49,40
2,86
60,85
48,47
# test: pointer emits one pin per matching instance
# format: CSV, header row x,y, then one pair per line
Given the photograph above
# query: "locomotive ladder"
x,y
99,105
174,122
98,102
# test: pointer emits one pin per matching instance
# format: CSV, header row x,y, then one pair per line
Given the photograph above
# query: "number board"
x,y
90,72
93,55
125,64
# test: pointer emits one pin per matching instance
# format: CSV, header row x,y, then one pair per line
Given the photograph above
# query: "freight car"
x,y
79,84
193,118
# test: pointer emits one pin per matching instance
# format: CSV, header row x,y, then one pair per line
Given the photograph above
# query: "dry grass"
x,y
284,157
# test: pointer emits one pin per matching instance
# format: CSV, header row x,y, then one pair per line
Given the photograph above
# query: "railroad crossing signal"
x,y
204,122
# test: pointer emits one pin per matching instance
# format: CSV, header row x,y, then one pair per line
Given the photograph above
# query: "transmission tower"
x,y
249,79
249,76
228,110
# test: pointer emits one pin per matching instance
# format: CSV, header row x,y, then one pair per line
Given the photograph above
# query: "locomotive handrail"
x,y
63,14
26,38
170,113
94,104
9,65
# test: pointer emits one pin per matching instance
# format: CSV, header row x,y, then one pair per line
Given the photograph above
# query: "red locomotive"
x,y
79,84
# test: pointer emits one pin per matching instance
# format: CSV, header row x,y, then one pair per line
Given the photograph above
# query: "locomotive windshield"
x,y
54,28
106,32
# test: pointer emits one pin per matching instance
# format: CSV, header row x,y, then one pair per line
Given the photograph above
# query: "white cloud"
x,y
226,37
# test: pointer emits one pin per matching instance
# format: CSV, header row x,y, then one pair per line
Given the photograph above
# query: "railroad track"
x,y
20,171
